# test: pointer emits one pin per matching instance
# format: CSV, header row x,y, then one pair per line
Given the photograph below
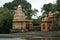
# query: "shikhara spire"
x,y
19,15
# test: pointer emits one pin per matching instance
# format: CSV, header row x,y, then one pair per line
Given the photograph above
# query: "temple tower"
x,y
20,22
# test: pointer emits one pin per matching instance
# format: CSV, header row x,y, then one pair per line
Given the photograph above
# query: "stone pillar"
x,y
24,25
31,25
20,26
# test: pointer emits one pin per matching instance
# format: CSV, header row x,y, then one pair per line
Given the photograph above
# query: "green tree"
x,y
6,17
58,5
26,6
49,7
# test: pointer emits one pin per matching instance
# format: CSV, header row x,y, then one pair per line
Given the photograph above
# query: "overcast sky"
x,y
35,4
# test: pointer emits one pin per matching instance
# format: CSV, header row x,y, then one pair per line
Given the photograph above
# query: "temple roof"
x,y
19,15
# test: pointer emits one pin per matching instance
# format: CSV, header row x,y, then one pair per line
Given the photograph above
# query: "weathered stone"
x,y
20,22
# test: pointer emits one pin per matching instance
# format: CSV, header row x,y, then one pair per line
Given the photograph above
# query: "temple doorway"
x,y
27,27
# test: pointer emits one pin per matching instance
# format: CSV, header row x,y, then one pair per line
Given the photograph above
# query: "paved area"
x,y
32,34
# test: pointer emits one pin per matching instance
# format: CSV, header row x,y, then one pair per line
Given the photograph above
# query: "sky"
x,y
37,4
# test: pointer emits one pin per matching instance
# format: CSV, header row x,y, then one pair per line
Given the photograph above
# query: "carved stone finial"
x,y
19,5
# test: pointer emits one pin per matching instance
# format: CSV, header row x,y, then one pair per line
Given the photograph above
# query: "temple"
x,y
19,21
48,23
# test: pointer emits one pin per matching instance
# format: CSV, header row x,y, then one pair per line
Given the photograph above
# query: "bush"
x,y
36,28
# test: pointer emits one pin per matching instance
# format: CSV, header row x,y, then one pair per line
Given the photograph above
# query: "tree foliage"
x,y
49,7
6,17
26,6
58,5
